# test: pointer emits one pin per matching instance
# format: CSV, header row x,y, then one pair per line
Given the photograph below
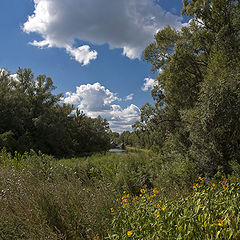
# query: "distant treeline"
x,y
32,117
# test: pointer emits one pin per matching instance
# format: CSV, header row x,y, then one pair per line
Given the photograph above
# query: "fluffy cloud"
x,y
4,72
125,24
82,54
129,97
95,99
149,83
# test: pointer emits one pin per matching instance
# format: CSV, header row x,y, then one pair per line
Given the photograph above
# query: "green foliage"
x,y
196,110
214,124
210,212
45,198
32,117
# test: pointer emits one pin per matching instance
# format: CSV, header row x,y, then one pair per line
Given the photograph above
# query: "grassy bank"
x,y
111,196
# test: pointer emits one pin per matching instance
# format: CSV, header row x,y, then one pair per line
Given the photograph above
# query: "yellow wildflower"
x,y
220,222
163,207
155,191
200,178
129,233
158,205
225,186
152,196
142,190
111,209
157,214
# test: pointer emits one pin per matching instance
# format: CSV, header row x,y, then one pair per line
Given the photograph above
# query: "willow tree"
x,y
197,91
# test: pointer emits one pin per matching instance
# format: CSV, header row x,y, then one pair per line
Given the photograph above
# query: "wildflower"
x,y
194,187
152,196
213,185
160,201
157,214
111,209
225,186
220,222
158,205
186,198
200,178
163,207
129,233
155,191
134,199
142,190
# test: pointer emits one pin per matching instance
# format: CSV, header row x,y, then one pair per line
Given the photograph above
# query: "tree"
x,y
32,117
197,94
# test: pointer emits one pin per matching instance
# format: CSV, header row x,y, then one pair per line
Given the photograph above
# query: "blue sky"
x,y
92,49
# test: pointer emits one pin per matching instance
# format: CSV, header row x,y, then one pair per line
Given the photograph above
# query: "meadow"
x,y
111,196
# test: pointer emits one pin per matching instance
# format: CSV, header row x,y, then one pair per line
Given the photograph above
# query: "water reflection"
x,y
115,150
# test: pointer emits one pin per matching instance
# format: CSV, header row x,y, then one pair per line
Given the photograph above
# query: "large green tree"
x,y
197,91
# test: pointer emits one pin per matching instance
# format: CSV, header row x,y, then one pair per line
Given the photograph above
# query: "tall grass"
x,y
54,202
110,196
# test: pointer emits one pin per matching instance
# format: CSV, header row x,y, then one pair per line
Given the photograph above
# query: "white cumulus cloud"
x,y
95,99
82,54
126,24
149,83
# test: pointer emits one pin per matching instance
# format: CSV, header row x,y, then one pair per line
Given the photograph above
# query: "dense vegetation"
x,y
32,117
114,197
185,187
197,92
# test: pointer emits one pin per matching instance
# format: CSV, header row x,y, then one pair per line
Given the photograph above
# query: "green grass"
x,y
102,197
